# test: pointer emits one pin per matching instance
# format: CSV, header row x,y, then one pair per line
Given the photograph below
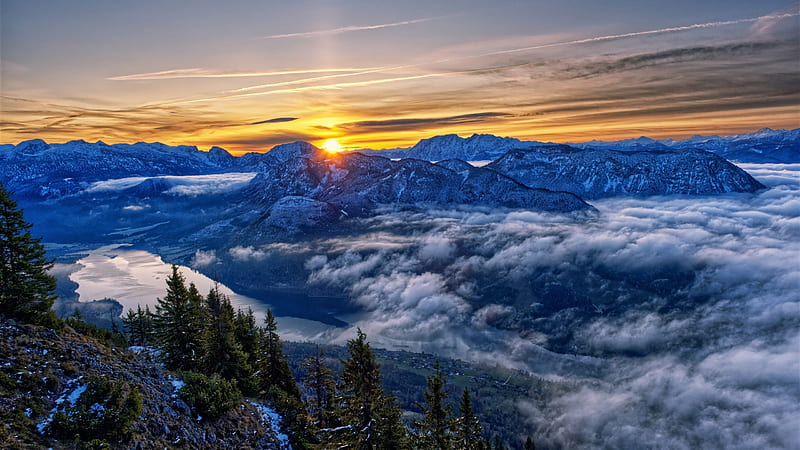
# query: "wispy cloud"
x,y
419,122
275,120
209,73
643,33
347,29
315,88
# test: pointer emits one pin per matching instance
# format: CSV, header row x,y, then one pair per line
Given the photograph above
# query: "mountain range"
x,y
763,146
357,181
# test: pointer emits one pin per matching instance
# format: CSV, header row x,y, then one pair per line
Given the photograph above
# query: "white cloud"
x,y
204,258
687,306
246,254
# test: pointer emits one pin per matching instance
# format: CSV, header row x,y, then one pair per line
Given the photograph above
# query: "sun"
x,y
332,146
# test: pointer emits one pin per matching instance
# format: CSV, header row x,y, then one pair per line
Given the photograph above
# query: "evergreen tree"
x,y
247,335
222,354
497,444
178,324
318,378
468,428
372,416
529,444
275,370
139,325
434,429
279,387
26,289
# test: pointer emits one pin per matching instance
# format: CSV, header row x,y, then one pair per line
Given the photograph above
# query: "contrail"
x,y
639,33
205,73
309,88
347,29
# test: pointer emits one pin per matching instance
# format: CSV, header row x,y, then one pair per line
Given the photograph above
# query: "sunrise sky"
x,y
246,75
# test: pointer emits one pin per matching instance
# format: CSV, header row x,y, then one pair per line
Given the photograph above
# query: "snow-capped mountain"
x,y
40,170
355,184
596,173
763,146
37,169
478,147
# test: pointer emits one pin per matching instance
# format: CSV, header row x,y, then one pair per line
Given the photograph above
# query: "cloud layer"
x,y
682,311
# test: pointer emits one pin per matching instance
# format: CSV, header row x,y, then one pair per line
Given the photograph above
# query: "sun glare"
x,y
332,146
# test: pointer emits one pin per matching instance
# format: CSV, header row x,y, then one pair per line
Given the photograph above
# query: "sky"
x,y
248,75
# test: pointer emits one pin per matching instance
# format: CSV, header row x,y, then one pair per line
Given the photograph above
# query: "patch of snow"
x,y
272,417
97,408
73,396
177,384
480,163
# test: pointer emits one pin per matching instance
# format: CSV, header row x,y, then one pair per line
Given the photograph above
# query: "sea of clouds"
x,y
711,360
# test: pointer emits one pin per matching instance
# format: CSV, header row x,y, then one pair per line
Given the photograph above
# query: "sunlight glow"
x,y
332,146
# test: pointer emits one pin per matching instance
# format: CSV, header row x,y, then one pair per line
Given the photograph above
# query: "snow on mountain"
x,y
37,169
261,162
763,146
356,184
474,148
640,143
596,173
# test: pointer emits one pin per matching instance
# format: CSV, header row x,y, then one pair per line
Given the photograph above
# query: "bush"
x,y
105,410
209,397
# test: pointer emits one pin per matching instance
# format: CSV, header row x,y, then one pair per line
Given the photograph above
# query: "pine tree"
x,y
275,371
529,445
372,416
247,335
26,289
279,387
468,428
318,378
222,354
497,444
178,324
139,325
434,429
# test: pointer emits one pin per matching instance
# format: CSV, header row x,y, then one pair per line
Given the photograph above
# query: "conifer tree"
x,y
497,444
468,428
247,335
179,323
279,387
435,427
139,325
275,371
222,354
318,378
372,416
529,445
26,289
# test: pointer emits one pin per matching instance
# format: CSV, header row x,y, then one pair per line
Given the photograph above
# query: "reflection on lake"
x,y
137,277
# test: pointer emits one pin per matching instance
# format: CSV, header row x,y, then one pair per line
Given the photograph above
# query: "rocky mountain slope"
x,y
763,146
35,169
356,184
596,173
42,371
478,147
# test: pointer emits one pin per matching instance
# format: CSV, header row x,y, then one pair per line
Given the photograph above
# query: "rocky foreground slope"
x,y
42,371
